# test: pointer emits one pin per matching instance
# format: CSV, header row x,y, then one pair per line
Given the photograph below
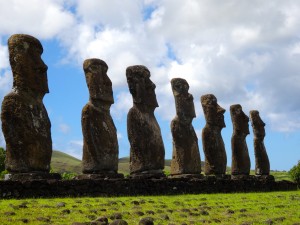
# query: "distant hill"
x,y
62,162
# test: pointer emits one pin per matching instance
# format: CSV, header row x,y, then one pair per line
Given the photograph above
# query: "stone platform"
x,y
134,187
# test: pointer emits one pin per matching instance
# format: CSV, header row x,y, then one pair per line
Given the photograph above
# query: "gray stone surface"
x,y
262,163
212,141
147,151
240,164
25,122
185,156
100,143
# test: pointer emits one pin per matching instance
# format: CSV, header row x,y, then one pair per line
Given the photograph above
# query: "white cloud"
x,y
43,19
5,82
123,102
64,128
113,13
4,62
243,52
74,148
120,135
2,141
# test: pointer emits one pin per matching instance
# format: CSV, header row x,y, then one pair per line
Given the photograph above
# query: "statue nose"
x,y
220,109
153,85
45,67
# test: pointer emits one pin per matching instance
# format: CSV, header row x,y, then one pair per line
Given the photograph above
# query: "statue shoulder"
x,y
133,112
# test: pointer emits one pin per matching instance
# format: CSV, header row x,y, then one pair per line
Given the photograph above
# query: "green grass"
x,y
243,208
62,162
281,175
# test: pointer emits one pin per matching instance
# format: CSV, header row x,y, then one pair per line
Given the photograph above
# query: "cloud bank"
x,y
243,52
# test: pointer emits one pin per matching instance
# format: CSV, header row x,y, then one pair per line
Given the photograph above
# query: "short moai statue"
x,y
25,122
212,141
147,151
100,143
262,163
240,165
185,157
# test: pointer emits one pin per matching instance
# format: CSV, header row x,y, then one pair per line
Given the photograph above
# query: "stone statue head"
x,y
257,124
184,101
141,87
239,119
214,114
99,84
28,68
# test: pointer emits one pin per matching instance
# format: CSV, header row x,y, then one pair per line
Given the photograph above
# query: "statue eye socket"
x,y
177,86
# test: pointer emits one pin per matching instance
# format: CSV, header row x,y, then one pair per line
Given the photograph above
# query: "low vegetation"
x,y
295,173
70,166
243,208
2,159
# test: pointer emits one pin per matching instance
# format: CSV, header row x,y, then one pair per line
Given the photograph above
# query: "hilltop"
x,y
62,162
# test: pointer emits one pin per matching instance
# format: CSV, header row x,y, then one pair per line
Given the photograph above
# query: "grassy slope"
x,y
62,162
240,208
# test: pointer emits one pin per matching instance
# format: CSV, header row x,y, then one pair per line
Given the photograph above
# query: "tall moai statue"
x,y
25,122
212,141
240,165
147,151
100,143
262,164
186,157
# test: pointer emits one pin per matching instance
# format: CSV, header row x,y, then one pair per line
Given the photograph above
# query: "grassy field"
x,y
243,208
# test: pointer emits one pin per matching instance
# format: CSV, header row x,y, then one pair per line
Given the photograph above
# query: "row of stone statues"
x,y
26,126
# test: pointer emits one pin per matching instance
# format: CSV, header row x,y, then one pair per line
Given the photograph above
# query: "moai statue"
x,y
213,145
25,122
147,151
262,164
240,165
100,143
186,157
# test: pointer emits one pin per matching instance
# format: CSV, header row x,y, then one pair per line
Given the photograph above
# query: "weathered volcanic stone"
x,y
262,163
186,156
25,122
240,157
100,143
212,141
146,145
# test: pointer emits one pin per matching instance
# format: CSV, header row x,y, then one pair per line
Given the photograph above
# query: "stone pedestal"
x,y
265,177
217,177
99,176
187,176
239,177
243,177
32,176
148,175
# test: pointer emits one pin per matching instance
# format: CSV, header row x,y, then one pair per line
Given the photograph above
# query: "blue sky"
x,y
243,52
